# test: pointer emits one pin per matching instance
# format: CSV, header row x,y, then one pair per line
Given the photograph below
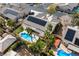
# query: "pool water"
x,y
62,53
26,36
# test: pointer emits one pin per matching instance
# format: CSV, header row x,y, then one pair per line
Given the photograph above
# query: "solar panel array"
x,y
70,35
11,12
37,21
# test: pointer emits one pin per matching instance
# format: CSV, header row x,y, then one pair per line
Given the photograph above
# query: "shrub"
x,y
51,52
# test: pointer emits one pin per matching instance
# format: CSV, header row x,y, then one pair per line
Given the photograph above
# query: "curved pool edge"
x,y
24,38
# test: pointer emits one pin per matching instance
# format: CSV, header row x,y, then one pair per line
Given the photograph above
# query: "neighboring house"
x,y
22,7
6,42
67,8
11,53
58,14
71,38
53,19
36,12
37,24
43,16
65,21
56,21
15,12
10,13
56,27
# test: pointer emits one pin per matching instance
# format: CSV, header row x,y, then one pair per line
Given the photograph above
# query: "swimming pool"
x,y
26,36
62,53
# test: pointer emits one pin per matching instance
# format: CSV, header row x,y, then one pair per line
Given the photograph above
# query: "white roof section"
x,y
62,4
63,47
10,53
74,48
8,36
6,42
36,12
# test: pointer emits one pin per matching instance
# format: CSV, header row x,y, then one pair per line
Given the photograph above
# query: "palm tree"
x,y
38,46
52,8
49,27
49,39
2,22
11,24
46,39
1,31
29,30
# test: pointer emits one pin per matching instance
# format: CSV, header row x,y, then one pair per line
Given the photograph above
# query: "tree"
x,y
75,21
76,15
38,47
51,8
2,21
76,12
51,52
29,30
17,44
49,39
46,34
49,27
10,23
1,31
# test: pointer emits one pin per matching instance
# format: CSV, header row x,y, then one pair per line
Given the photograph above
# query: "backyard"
x,y
18,30
21,48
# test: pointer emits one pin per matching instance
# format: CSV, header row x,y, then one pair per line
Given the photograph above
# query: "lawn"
x,y
10,23
18,30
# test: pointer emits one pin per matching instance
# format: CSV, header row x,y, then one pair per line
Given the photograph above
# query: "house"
x,y
11,53
71,38
36,12
15,11
37,24
53,19
58,14
67,8
10,13
6,42
22,7
65,21
56,21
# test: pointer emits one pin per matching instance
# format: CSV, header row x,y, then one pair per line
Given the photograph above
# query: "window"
x,y
77,41
70,35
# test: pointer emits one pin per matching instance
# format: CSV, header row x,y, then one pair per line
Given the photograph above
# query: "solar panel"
x,y
77,41
11,12
37,21
70,35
